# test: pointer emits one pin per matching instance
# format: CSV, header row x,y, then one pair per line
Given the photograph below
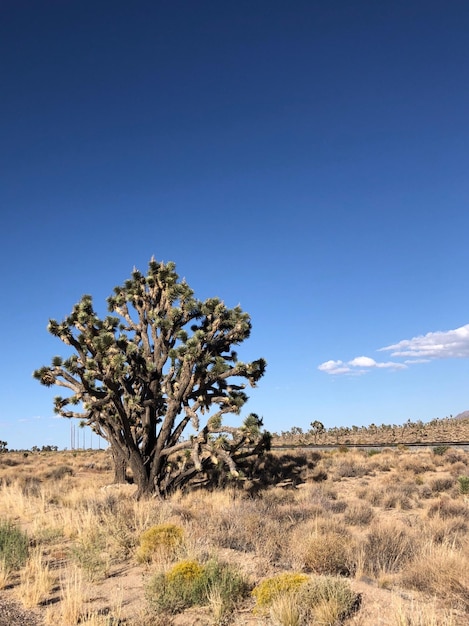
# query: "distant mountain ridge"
x,y
462,416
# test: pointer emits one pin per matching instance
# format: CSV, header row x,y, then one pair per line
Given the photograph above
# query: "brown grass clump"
x,y
387,547
446,508
37,580
322,550
421,614
442,484
350,467
441,571
417,463
327,600
359,514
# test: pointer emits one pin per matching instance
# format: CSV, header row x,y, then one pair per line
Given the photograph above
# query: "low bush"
x,y
327,600
294,598
189,583
440,571
272,588
159,541
463,485
440,450
386,549
447,508
439,485
90,554
359,514
328,553
14,546
59,472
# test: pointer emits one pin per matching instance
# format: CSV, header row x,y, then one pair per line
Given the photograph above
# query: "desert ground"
x,y
375,537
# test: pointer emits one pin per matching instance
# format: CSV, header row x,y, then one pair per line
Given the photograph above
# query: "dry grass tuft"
x,y
420,614
37,580
441,571
387,547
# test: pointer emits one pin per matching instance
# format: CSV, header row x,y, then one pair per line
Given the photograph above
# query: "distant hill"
x,y
462,416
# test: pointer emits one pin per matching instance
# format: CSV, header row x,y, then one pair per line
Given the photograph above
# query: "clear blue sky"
x,y
308,160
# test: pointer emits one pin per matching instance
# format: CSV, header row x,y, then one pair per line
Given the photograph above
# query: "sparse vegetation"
x,y
93,554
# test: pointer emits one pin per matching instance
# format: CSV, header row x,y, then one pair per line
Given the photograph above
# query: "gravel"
x,y
11,614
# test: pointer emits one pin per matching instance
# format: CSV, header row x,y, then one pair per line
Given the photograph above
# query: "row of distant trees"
x,y
4,448
409,432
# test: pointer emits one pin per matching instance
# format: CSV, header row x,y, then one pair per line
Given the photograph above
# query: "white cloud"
x,y
436,345
358,365
334,367
421,349
367,362
362,361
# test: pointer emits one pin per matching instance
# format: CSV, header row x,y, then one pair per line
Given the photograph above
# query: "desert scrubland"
x,y
327,537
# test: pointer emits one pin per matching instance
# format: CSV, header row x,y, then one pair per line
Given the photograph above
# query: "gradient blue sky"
x,y
308,160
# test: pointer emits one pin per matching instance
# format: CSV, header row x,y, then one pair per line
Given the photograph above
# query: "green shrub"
x,y
440,450
315,599
14,546
189,583
90,553
272,588
327,600
158,541
463,485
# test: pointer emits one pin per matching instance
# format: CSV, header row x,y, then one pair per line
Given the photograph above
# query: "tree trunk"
x,y
120,467
141,476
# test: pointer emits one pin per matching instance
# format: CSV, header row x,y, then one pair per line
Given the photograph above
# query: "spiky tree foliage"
x,y
152,368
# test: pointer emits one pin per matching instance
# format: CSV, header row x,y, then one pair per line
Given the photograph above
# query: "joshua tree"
x,y
146,373
317,428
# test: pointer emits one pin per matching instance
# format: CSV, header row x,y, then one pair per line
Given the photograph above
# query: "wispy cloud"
x,y
421,349
438,345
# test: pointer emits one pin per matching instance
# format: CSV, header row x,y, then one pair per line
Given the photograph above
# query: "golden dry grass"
x,y
393,522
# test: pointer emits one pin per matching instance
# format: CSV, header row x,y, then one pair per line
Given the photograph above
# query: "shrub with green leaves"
x,y
327,600
90,553
319,599
272,588
14,546
463,485
190,583
159,541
